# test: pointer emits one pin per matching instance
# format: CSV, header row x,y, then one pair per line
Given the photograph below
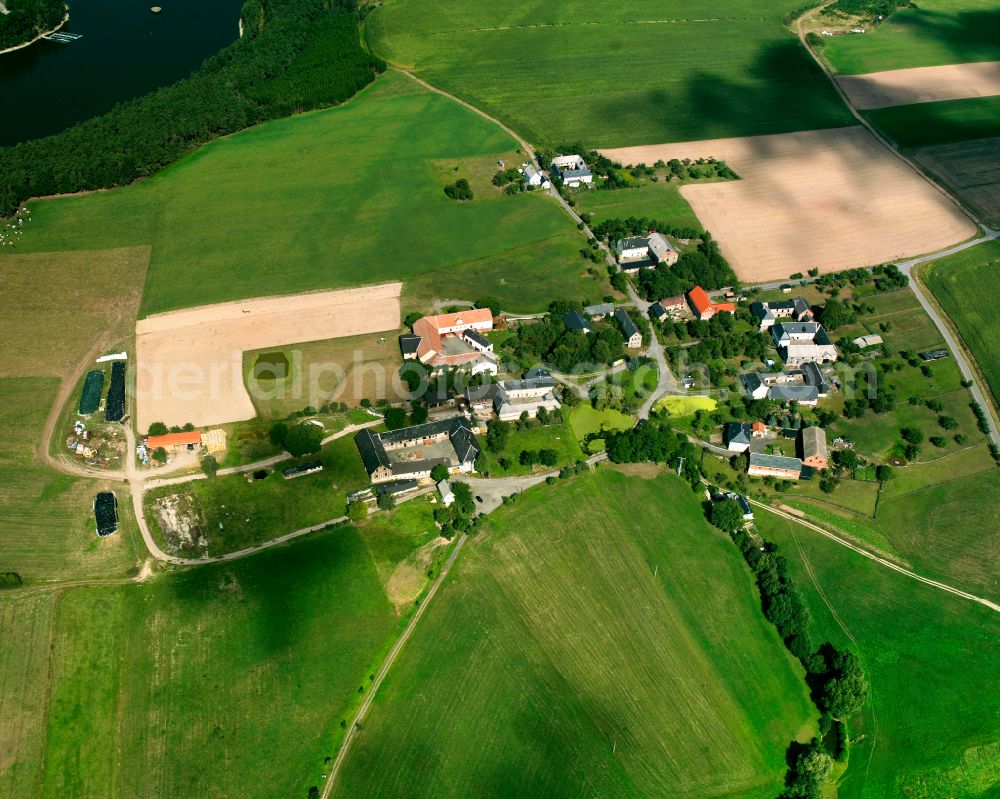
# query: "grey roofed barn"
x,y
629,328
574,320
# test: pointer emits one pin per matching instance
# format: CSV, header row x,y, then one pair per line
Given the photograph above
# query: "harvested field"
x,y
831,199
969,169
921,84
190,362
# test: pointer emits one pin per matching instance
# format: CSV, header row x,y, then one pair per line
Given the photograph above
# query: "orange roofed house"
x,y
452,340
703,307
174,442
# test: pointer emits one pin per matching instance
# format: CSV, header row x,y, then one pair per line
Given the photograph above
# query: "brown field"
x,y
971,170
831,199
190,362
921,84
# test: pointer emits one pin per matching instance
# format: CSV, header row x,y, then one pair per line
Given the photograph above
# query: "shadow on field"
x,y
969,35
784,90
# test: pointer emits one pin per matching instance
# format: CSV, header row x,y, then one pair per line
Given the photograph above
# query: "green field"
x,y
240,513
960,282
929,33
932,728
613,73
341,197
585,420
559,437
580,648
660,201
929,124
227,680
685,406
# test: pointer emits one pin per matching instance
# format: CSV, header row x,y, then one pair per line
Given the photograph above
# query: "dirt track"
x,y
921,84
189,362
831,199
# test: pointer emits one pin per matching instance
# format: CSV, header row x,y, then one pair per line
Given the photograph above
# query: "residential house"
x,y
767,313
758,429
572,170
798,342
737,436
528,395
703,307
411,452
673,307
575,320
814,451
599,311
661,250
532,177
740,500
446,341
408,346
779,466
632,334
447,495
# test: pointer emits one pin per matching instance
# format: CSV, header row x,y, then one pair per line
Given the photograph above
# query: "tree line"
x,y
294,55
28,18
836,680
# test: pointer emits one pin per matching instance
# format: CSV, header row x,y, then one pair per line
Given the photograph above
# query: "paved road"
x,y
880,560
956,347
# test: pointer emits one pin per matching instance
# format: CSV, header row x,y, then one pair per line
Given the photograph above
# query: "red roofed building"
x,y
453,339
174,442
703,307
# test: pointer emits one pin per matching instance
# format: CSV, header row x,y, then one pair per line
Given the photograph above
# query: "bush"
x,y
439,473
157,429
276,435
386,501
459,190
395,418
210,466
357,512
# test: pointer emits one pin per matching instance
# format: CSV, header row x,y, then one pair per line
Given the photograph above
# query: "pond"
x,y
124,51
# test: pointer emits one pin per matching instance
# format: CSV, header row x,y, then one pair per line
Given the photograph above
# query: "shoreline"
x,y
40,36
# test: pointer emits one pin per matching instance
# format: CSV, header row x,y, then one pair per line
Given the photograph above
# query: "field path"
x,y
355,725
880,560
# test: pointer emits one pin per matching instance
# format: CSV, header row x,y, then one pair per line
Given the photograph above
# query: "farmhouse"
x,y
798,342
571,170
813,376
532,177
767,313
813,444
453,340
793,392
774,466
411,452
529,395
645,252
447,495
671,306
737,436
632,334
703,307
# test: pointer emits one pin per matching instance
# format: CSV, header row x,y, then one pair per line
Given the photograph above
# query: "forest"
x,y
295,55
28,18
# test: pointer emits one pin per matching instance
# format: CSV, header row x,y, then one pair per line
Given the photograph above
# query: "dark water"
x,y
125,51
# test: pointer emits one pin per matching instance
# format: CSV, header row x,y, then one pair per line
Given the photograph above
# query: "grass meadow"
x,y
613,73
226,680
341,197
661,201
948,122
959,283
239,513
932,727
927,34
580,648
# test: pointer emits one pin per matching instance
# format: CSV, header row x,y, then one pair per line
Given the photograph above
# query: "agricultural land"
x,y
317,211
595,73
923,651
599,653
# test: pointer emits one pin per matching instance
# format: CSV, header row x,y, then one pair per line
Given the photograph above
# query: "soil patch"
x,y
190,362
831,199
921,84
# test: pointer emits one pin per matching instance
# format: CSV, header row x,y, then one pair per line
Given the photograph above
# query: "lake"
x,y
125,51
